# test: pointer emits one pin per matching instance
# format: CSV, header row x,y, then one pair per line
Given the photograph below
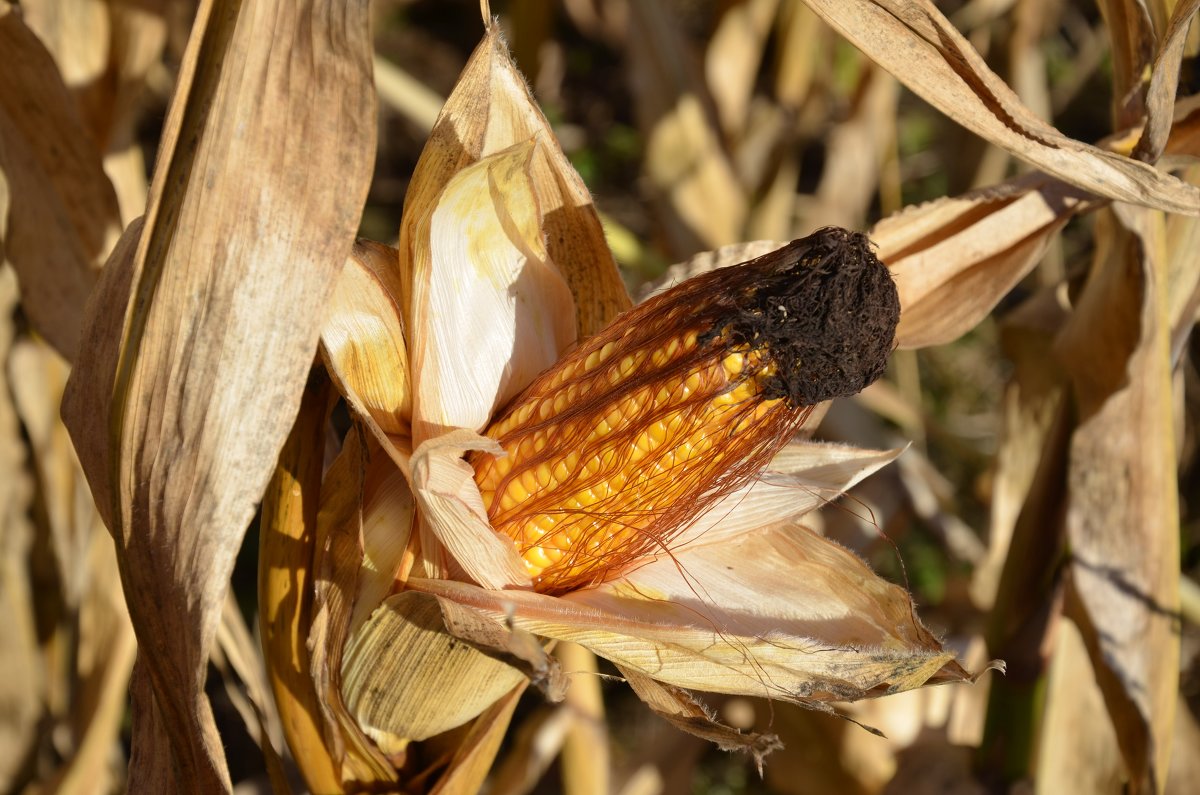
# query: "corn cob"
x,y
616,449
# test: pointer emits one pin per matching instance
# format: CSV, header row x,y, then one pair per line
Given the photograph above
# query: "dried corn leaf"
x,y
1164,80
66,221
491,110
1077,745
1131,31
684,712
954,259
1029,407
1122,515
261,177
917,44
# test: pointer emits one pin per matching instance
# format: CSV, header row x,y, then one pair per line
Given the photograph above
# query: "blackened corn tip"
x,y
822,309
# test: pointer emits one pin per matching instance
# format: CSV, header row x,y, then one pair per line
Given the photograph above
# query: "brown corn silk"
x,y
616,449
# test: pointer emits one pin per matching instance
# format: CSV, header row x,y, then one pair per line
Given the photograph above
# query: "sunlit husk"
x,y
363,338
490,308
780,613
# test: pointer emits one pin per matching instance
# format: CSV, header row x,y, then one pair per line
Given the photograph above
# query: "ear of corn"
x,y
616,449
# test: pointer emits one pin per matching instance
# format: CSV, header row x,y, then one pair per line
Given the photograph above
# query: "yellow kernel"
x,y
656,434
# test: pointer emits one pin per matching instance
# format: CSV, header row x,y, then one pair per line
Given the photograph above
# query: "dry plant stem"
x,y
585,754
1028,603
287,538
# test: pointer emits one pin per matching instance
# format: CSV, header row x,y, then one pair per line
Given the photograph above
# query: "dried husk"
x,y
936,62
405,678
288,530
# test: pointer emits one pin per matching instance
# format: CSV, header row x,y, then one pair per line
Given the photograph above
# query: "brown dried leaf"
x,y
1122,514
1164,81
953,259
686,713
1131,30
262,172
66,221
917,44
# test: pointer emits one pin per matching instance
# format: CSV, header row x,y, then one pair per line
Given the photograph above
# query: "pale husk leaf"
x,y
490,110
405,678
451,508
67,219
779,612
337,565
490,309
802,477
388,520
363,338
1122,515
262,172
954,259
917,44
